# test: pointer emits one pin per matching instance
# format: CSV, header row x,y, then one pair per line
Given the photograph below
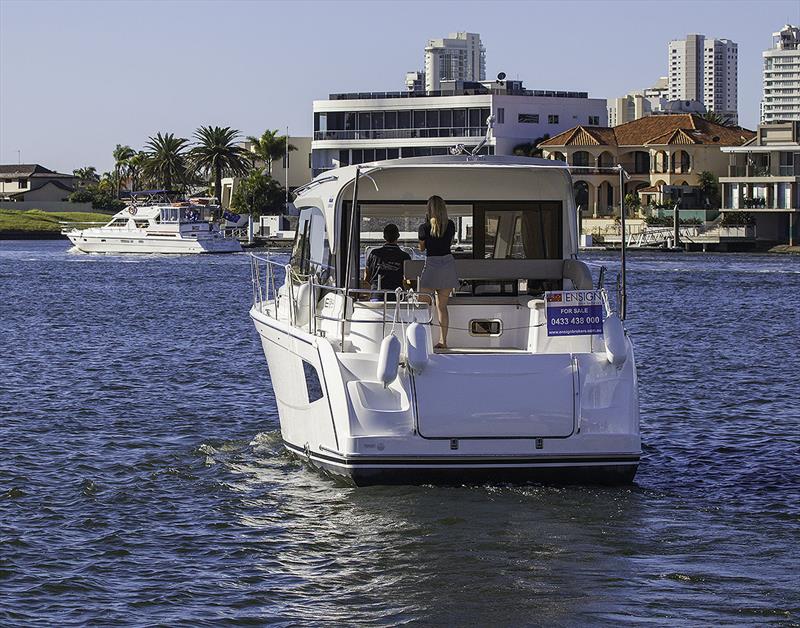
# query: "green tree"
x,y
136,166
166,160
709,184
270,146
718,118
122,153
258,194
216,152
86,176
531,149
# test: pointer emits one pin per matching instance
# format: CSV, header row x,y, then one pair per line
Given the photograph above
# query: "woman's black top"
x,y
436,247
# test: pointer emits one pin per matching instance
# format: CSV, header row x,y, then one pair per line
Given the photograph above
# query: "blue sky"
x,y
76,78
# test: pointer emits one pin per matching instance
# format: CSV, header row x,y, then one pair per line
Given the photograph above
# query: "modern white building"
x,y
781,99
362,127
458,57
705,70
764,181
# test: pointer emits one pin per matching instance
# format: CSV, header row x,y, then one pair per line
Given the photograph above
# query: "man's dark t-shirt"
x,y
386,262
435,247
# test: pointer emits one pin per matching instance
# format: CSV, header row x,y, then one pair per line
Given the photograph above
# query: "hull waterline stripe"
x,y
472,461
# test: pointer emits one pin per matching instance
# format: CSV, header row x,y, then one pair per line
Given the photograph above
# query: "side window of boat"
x,y
301,251
310,252
313,384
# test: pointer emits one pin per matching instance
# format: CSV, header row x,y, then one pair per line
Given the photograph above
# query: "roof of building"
x,y
39,185
684,128
18,171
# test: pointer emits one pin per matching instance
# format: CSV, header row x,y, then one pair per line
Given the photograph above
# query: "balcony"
x,y
748,171
393,134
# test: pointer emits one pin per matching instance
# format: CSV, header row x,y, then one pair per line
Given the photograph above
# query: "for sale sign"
x,y
574,312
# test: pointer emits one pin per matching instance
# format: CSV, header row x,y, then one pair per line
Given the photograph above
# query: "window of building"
x,y
528,118
594,120
474,118
446,118
390,121
403,119
459,118
552,119
432,118
364,121
501,115
419,119
23,183
392,153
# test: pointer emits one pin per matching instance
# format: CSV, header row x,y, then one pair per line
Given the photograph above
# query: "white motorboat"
x,y
540,380
156,228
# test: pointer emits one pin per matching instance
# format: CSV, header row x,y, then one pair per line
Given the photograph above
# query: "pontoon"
x,y
539,382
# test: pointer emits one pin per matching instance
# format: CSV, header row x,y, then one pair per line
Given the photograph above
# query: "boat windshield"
x,y
189,214
485,230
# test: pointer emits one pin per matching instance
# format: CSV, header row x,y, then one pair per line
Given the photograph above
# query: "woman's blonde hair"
x,y
437,214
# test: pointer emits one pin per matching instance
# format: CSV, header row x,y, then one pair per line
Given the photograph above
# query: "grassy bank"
x,y
35,223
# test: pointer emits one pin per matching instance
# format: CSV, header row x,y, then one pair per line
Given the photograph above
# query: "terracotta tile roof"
x,y
654,131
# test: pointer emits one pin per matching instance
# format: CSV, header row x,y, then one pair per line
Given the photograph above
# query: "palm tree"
x,y
216,152
135,168
166,159
531,149
270,146
122,153
86,176
718,118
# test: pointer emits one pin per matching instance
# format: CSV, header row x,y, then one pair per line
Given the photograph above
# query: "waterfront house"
x,y
763,181
34,183
660,153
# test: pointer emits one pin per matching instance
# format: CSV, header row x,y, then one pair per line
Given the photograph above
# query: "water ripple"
x,y
142,478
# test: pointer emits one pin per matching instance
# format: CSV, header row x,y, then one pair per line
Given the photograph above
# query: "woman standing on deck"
x,y
439,274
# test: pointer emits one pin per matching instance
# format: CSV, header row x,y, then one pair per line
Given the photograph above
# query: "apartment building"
x,y
705,70
781,100
458,57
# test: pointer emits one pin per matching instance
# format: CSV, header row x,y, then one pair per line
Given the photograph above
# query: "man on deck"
x,y
385,263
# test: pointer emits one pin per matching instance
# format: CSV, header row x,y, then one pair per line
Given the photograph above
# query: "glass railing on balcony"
x,y
390,134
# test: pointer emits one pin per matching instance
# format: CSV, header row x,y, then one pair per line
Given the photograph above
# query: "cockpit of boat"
x,y
515,239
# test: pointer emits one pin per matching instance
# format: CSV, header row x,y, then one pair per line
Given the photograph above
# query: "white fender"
x,y
417,338
614,337
388,360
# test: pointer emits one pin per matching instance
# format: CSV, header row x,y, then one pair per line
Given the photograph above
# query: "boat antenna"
x,y
623,295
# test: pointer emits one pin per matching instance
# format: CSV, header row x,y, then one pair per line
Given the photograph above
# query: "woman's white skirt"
x,y
439,273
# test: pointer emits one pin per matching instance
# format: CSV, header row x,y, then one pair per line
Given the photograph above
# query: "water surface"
x,y
142,478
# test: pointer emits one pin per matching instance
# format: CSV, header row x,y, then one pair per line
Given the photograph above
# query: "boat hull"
x,y
581,470
165,245
326,426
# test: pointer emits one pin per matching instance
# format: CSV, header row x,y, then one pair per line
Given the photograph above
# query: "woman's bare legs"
x,y
442,297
